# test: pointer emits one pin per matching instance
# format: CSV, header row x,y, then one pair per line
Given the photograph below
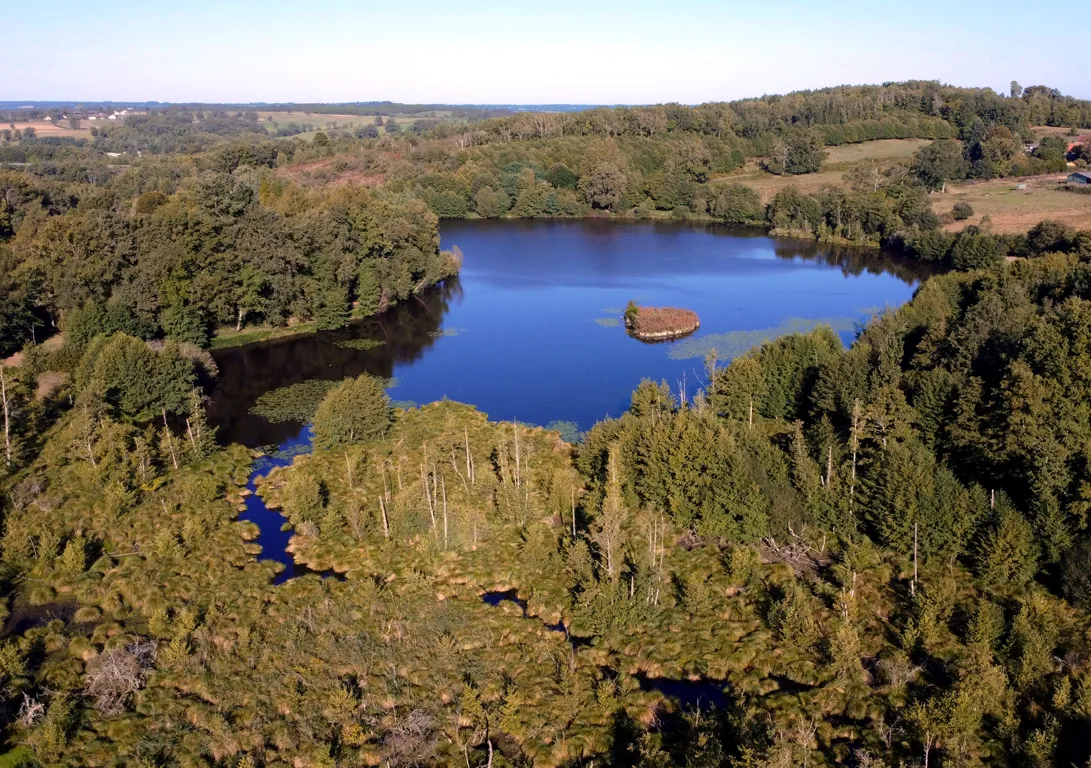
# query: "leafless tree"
x,y
30,711
115,675
411,740
6,401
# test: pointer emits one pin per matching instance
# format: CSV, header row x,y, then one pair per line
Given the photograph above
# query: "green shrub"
x,y
962,211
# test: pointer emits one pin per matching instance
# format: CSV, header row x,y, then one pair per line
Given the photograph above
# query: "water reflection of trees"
x,y
850,259
406,331
853,261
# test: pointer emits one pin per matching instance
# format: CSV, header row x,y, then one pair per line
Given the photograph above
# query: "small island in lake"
x,y
657,323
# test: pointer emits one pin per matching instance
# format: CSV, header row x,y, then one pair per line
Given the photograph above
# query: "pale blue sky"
x,y
476,51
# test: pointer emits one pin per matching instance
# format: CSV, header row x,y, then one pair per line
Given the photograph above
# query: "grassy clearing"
x,y
840,161
227,336
881,150
1014,210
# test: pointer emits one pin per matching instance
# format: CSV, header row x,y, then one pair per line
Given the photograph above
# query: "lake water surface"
x,y
531,329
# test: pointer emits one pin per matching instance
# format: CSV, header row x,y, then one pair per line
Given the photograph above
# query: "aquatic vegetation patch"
x,y
298,402
732,344
293,450
295,402
405,405
608,322
360,344
442,332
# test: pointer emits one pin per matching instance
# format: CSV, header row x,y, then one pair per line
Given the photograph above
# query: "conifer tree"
x,y
357,410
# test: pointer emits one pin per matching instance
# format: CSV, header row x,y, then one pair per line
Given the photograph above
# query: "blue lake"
x,y
531,329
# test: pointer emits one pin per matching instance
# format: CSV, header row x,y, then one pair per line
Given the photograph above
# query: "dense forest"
x,y
169,249
872,556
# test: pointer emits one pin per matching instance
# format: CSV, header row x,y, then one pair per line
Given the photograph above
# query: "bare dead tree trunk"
x,y
386,523
454,466
444,484
428,497
913,589
7,417
170,441
238,321
855,447
386,487
469,456
517,475
829,465
651,541
189,431
573,513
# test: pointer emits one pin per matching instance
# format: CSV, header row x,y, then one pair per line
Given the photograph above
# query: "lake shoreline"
x,y
264,334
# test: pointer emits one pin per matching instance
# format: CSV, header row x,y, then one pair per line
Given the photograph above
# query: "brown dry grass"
x,y
322,171
1012,210
656,320
48,383
1050,130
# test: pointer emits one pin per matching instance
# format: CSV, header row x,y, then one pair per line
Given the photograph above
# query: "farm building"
x,y
1083,139
1082,178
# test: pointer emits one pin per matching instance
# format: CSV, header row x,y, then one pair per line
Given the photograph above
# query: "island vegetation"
x,y
875,555
656,323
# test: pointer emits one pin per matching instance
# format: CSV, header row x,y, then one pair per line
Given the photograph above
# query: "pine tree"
x,y
358,410
607,532
332,310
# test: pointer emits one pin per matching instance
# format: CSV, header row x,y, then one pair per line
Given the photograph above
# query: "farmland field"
x,y
44,128
839,162
1014,210
322,122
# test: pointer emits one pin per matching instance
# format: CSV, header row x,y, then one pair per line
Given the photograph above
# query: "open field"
x,y
321,122
878,151
43,129
1049,130
1013,210
840,160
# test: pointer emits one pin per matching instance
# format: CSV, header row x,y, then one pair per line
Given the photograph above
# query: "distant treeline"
x,y
840,106
12,111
